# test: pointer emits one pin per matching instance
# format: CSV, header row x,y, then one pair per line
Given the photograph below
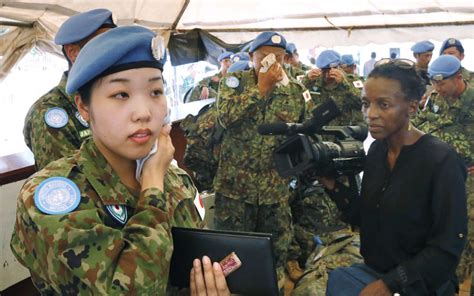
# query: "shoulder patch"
x,y
81,119
56,117
118,212
232,82
57,195
358,84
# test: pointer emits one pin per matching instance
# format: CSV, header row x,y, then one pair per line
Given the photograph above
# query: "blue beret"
x,y
82,25
224,55
291,48
347,60
450,42
268,39
422,46
328,59
444,67
116,50
239,66
240,56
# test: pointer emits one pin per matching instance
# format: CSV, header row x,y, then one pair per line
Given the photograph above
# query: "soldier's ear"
x,y
82,107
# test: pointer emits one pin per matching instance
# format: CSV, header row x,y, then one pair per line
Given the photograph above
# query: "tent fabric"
x,y
324,23
198,45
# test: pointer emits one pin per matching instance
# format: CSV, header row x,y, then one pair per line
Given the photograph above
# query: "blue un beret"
x,y
240,56
116,50
239,66
328,59
422,46
444,67
291,48
268,39
82,25
224,55
450,42
347,59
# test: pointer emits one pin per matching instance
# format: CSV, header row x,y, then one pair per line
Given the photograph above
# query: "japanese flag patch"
x,y
358,84
307,96
199,205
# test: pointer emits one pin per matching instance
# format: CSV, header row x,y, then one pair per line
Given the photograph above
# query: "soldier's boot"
x,y
294,270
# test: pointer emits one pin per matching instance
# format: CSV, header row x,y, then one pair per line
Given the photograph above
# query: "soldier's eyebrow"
x,y
118,80
153,79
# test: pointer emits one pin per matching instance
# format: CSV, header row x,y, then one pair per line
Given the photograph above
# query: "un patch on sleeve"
x,y
232,82
56,117
57,195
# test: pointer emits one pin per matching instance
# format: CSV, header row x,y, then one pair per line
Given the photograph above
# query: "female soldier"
x,y
412,207
89,223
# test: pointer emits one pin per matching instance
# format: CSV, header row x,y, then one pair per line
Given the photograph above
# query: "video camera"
x,y
305,154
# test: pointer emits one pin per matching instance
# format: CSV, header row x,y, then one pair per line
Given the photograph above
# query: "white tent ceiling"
x,y
328,23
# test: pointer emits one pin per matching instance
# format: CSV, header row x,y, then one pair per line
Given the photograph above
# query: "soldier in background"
x,y
240,56
423,51
331,81
208,87
450,117
250,195
348,65
53,126
293,66
452,46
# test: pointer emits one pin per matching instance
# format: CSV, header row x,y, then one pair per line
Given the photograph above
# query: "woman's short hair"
x,y
411,84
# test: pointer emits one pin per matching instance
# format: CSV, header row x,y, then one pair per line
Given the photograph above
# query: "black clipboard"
x,y
256,276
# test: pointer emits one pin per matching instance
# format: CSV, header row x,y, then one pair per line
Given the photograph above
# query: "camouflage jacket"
x,y
211,81
203,142
48,143
466,75
452,122
89,251
246,166
345,94
297,72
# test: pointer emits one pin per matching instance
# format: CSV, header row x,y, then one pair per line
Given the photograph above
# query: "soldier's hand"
x,y
154,169
470,170
207,279
328,183
336,74
268,80
377,288
313,74
204,93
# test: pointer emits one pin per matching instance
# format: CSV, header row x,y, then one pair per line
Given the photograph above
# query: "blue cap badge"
x,y
56,117
57,195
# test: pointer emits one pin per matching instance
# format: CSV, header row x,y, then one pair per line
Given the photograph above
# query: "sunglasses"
x,y
400,63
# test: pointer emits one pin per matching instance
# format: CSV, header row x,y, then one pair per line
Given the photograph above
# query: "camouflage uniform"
x,y
49,143
338,249
88,251
466,75
453,123
345,94
312,209
250,195
202,149
297,71
211,82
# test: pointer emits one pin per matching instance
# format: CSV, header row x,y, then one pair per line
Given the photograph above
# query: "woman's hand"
x,y
377,288
154,169
208,279
328,183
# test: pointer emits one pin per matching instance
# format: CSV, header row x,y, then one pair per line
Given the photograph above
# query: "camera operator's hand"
x,y
336,74
268,80
328,183
314,73
207,279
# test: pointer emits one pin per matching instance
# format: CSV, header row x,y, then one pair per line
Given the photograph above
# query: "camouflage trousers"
x,y
465,267
342,251
236,215
313,213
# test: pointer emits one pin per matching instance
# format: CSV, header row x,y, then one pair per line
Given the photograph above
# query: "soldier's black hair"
x,y
86,92
411,84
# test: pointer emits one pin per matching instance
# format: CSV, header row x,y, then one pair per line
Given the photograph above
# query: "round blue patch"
x,y
57,195
56,117
232,82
